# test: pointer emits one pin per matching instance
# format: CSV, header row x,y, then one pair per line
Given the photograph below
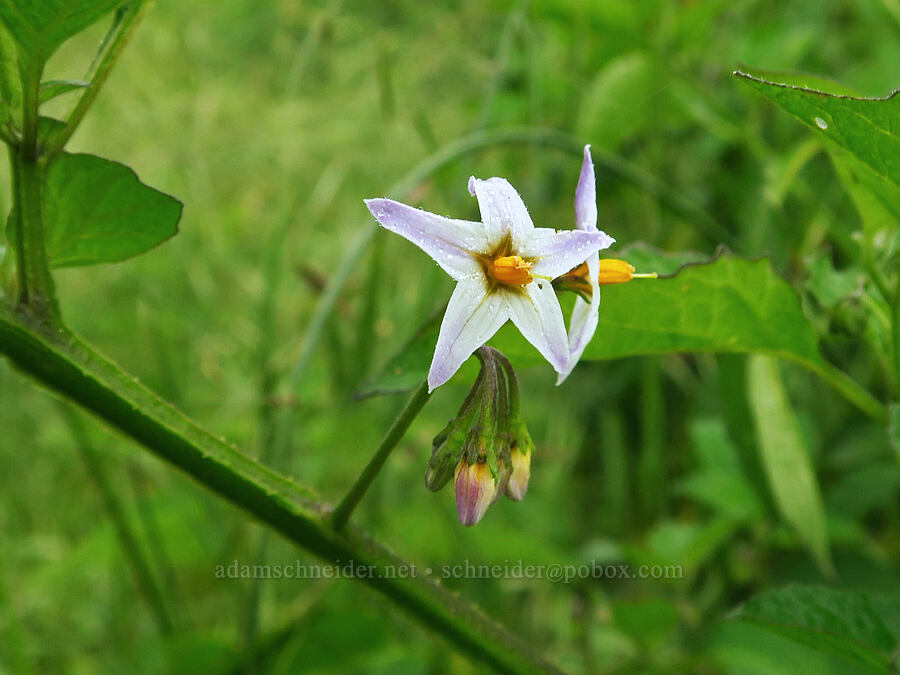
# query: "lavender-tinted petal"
x,y
586,195
502,209
583,323
449,242
555,253
472,317
537,315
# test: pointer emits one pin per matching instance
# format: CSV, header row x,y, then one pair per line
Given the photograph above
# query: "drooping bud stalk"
x,y
520,443
486,446
503,416
448,445
484,467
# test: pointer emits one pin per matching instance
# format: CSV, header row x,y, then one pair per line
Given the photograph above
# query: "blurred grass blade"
x,y
652,461
785,458
146,580
894,427
851,625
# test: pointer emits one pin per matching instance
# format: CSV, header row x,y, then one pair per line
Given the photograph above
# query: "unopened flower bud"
x,y
476,490
521,446
517,485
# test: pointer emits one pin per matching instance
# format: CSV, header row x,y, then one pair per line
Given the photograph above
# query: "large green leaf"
x,y
40,26
729,304
784,457
616,104
98,211
869,128
851,625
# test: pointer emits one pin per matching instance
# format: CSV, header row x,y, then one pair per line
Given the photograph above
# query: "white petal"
x,y
502,209
537,315
472,317
586,195
450,242
556,253
583,323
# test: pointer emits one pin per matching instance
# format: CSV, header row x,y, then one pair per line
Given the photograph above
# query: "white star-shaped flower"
x,y
503,266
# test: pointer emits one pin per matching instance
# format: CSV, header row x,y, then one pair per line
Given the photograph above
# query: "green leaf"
x,y
53,88
98,211
617,105
728,305
785,459
40,26
876,199
847,624
869,128
650,621
830,287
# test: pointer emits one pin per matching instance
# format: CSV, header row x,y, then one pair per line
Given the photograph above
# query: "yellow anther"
x,y
614,271
513,270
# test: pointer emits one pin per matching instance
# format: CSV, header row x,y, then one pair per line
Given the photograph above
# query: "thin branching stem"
x,y
410,411
118,36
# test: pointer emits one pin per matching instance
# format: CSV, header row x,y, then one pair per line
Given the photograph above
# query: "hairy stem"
x,y
342,512
36,289
60,361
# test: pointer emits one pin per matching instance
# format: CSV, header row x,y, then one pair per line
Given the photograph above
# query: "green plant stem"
x,y
342,512
31,86
146,581
118,36
36,289
847,387
60,361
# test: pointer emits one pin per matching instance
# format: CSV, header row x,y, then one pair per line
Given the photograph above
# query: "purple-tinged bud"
x,y
476,490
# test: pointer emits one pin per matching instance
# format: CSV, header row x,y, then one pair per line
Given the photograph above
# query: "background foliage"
x,y
271,121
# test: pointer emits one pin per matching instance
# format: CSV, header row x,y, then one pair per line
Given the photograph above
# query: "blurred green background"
x,y
272,121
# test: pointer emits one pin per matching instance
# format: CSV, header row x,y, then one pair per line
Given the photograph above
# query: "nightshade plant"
x,y
76,209
506,269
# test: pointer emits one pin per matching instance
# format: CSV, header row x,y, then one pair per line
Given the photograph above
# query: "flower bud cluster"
x,y
486,447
